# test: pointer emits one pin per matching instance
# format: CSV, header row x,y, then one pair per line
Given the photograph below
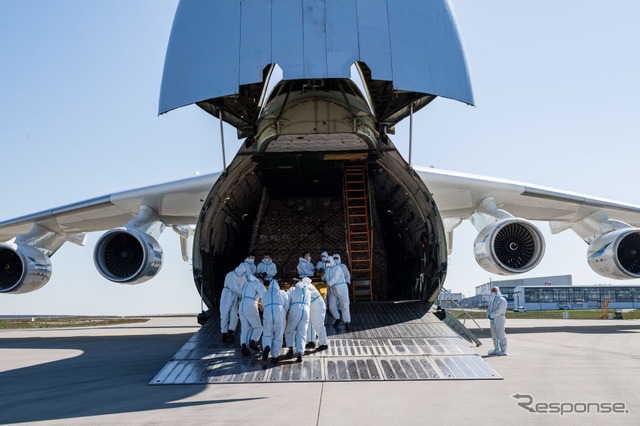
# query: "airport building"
x,y
507,288
577,297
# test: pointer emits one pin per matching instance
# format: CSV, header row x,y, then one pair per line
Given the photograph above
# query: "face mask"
x,y
251,260
266,260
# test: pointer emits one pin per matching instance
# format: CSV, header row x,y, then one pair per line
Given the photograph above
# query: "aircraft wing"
x,y
459,194
175,203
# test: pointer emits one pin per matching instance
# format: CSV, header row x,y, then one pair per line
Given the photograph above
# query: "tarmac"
x,y
557,371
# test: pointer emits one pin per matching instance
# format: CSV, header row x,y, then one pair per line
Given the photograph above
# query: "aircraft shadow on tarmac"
x,y
110,377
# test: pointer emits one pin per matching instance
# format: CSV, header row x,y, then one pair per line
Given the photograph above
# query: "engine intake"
x,y
127,256
616,254
509,246
23,269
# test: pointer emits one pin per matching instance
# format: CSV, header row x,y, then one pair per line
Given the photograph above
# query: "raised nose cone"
x,y
220,54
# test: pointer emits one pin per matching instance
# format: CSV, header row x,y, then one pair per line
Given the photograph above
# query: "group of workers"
x,y
298,313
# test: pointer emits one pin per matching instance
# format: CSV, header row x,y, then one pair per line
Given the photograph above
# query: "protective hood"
x,y
338,260
306,280
266,261
274,284
324,255
253,278
302,259
241,269
498,293
332,263
250,260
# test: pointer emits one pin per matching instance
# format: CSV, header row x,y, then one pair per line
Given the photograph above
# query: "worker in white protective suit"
x,y
345,270
305,267
323,258
495,313
317,311
250,263
337,285
233,284
296,331
275,303
267,268
249,315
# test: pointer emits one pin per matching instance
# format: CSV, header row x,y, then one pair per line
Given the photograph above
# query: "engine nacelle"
x,y
23,269
127,256
616,254
509,246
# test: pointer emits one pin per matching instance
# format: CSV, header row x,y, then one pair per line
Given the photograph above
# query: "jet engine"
x,y
616,254
23,269
509,246
127,256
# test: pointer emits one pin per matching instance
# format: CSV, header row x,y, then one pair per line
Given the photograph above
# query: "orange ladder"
x,y
359,233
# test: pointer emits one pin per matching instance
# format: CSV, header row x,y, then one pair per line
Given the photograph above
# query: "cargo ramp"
x,y
387,341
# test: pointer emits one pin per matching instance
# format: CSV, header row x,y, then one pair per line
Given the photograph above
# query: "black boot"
x,y
253,345
299,359
346,326
265,353
274,360
335,324
225,338
230,336
310,345
245,351
322,348
291,352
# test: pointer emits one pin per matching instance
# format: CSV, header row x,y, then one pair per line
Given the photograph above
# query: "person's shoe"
x,y
346,326
310,345
493,352
230,336
299,359
337,323
274,360
245,351
253,345
225,338
322,348
502,353
291,353
265,353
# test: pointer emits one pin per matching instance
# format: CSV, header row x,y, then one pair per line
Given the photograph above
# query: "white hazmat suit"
x,y
320,266
251,266
495,313
233,285
317,311
296,331
337,285
249,315
345,270
305,267
268,268
275,303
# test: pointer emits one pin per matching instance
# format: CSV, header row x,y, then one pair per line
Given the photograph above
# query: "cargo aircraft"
x,y
317,168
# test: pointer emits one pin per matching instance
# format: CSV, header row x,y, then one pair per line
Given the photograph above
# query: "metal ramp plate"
x,y
387,341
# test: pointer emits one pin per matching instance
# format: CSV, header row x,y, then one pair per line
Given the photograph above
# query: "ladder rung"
x,y
356,215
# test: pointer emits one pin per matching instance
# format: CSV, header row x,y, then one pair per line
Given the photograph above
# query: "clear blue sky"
x,y
556,87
